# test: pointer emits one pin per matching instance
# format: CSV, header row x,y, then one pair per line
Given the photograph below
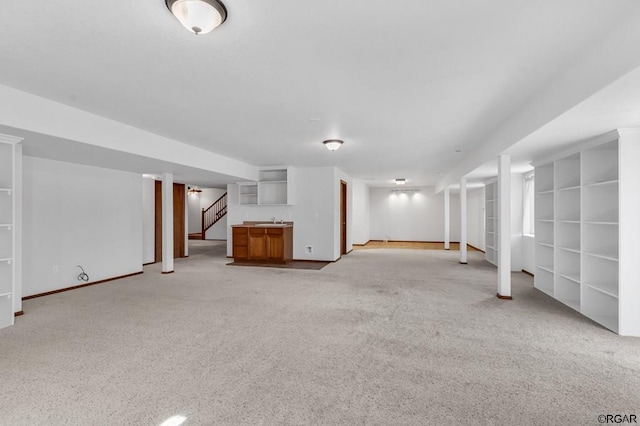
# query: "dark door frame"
x,y
343,217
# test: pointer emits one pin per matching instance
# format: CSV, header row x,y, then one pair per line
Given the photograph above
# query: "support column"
x,y
463,221
504,227
167,223
447,219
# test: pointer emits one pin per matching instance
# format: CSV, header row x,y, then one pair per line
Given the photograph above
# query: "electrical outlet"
x,y
56,269
308,249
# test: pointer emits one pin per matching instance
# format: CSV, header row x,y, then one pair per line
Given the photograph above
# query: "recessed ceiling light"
x,y
333,144
401,181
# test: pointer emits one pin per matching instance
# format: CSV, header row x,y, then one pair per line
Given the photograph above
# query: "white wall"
x,y
475,218
516,221
30,112
194,212
313,214
417,216
361,220
528,253
79,215
149,220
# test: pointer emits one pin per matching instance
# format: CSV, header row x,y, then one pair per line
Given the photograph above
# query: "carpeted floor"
x,y
386,337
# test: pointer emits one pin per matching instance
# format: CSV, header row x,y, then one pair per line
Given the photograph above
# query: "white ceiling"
x,y
404,84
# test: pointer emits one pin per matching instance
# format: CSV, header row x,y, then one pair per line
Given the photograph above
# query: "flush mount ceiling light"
x,y
198,16
333,144
401,181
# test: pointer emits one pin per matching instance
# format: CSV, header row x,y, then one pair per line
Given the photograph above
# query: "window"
x,y
528,210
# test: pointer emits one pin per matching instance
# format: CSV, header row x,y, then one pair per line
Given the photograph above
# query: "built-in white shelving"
x,y
491,222
579,243
273,188
7,230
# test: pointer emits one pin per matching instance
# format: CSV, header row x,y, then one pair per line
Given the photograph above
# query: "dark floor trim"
x,y
361,245
504,297
463,263
528,273
48,293
19,313
475,248
149,263
409,241
165,273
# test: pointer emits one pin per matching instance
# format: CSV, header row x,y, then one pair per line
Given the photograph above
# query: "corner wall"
x,y
313,212
417,216
79,215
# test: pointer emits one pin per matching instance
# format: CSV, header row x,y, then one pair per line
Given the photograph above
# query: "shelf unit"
x,y
273,188
580,249
7,230
491,222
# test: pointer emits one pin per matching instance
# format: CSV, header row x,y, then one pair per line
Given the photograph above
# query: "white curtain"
x,y
528,210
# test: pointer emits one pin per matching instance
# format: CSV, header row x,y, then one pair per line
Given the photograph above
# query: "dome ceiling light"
x,y
333,144
198,16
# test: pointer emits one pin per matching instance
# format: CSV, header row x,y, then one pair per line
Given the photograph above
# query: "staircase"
x,y
212,214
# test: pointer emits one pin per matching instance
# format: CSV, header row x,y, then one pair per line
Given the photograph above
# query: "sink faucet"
x,y
273,220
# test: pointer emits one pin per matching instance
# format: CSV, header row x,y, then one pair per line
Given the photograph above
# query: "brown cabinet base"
x,y
253,243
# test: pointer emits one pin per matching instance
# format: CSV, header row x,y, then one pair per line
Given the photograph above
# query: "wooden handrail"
x,y
212,214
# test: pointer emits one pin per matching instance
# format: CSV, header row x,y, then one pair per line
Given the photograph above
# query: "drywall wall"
x,y
412,216
475,218
79,215
528,254
516,221
148,221
361,220
30,112
313,214
194,213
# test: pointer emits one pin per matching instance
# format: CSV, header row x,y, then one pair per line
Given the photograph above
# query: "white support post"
x,y
167,223
447,219
504,227
463,221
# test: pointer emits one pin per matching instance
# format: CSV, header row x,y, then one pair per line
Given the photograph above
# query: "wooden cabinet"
x,y
262,243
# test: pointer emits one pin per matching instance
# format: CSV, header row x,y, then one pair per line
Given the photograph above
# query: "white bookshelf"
x,y
583,259
7,230
491,222
248,193
273,188
545,229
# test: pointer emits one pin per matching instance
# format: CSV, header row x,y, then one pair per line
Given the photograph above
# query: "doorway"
x,y
343,217
178,220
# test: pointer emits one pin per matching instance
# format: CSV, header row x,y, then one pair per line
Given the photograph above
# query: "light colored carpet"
x,y
385,337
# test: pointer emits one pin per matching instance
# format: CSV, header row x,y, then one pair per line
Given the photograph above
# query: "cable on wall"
x,y
83,275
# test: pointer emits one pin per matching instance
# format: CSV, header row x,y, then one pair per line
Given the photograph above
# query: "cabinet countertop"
x,y
263,225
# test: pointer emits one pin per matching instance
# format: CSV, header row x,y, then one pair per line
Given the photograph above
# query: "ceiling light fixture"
x,y
198,16
401,181
333,144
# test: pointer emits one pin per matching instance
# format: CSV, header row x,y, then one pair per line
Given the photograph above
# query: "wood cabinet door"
x,y
240,243
257,244
275,244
